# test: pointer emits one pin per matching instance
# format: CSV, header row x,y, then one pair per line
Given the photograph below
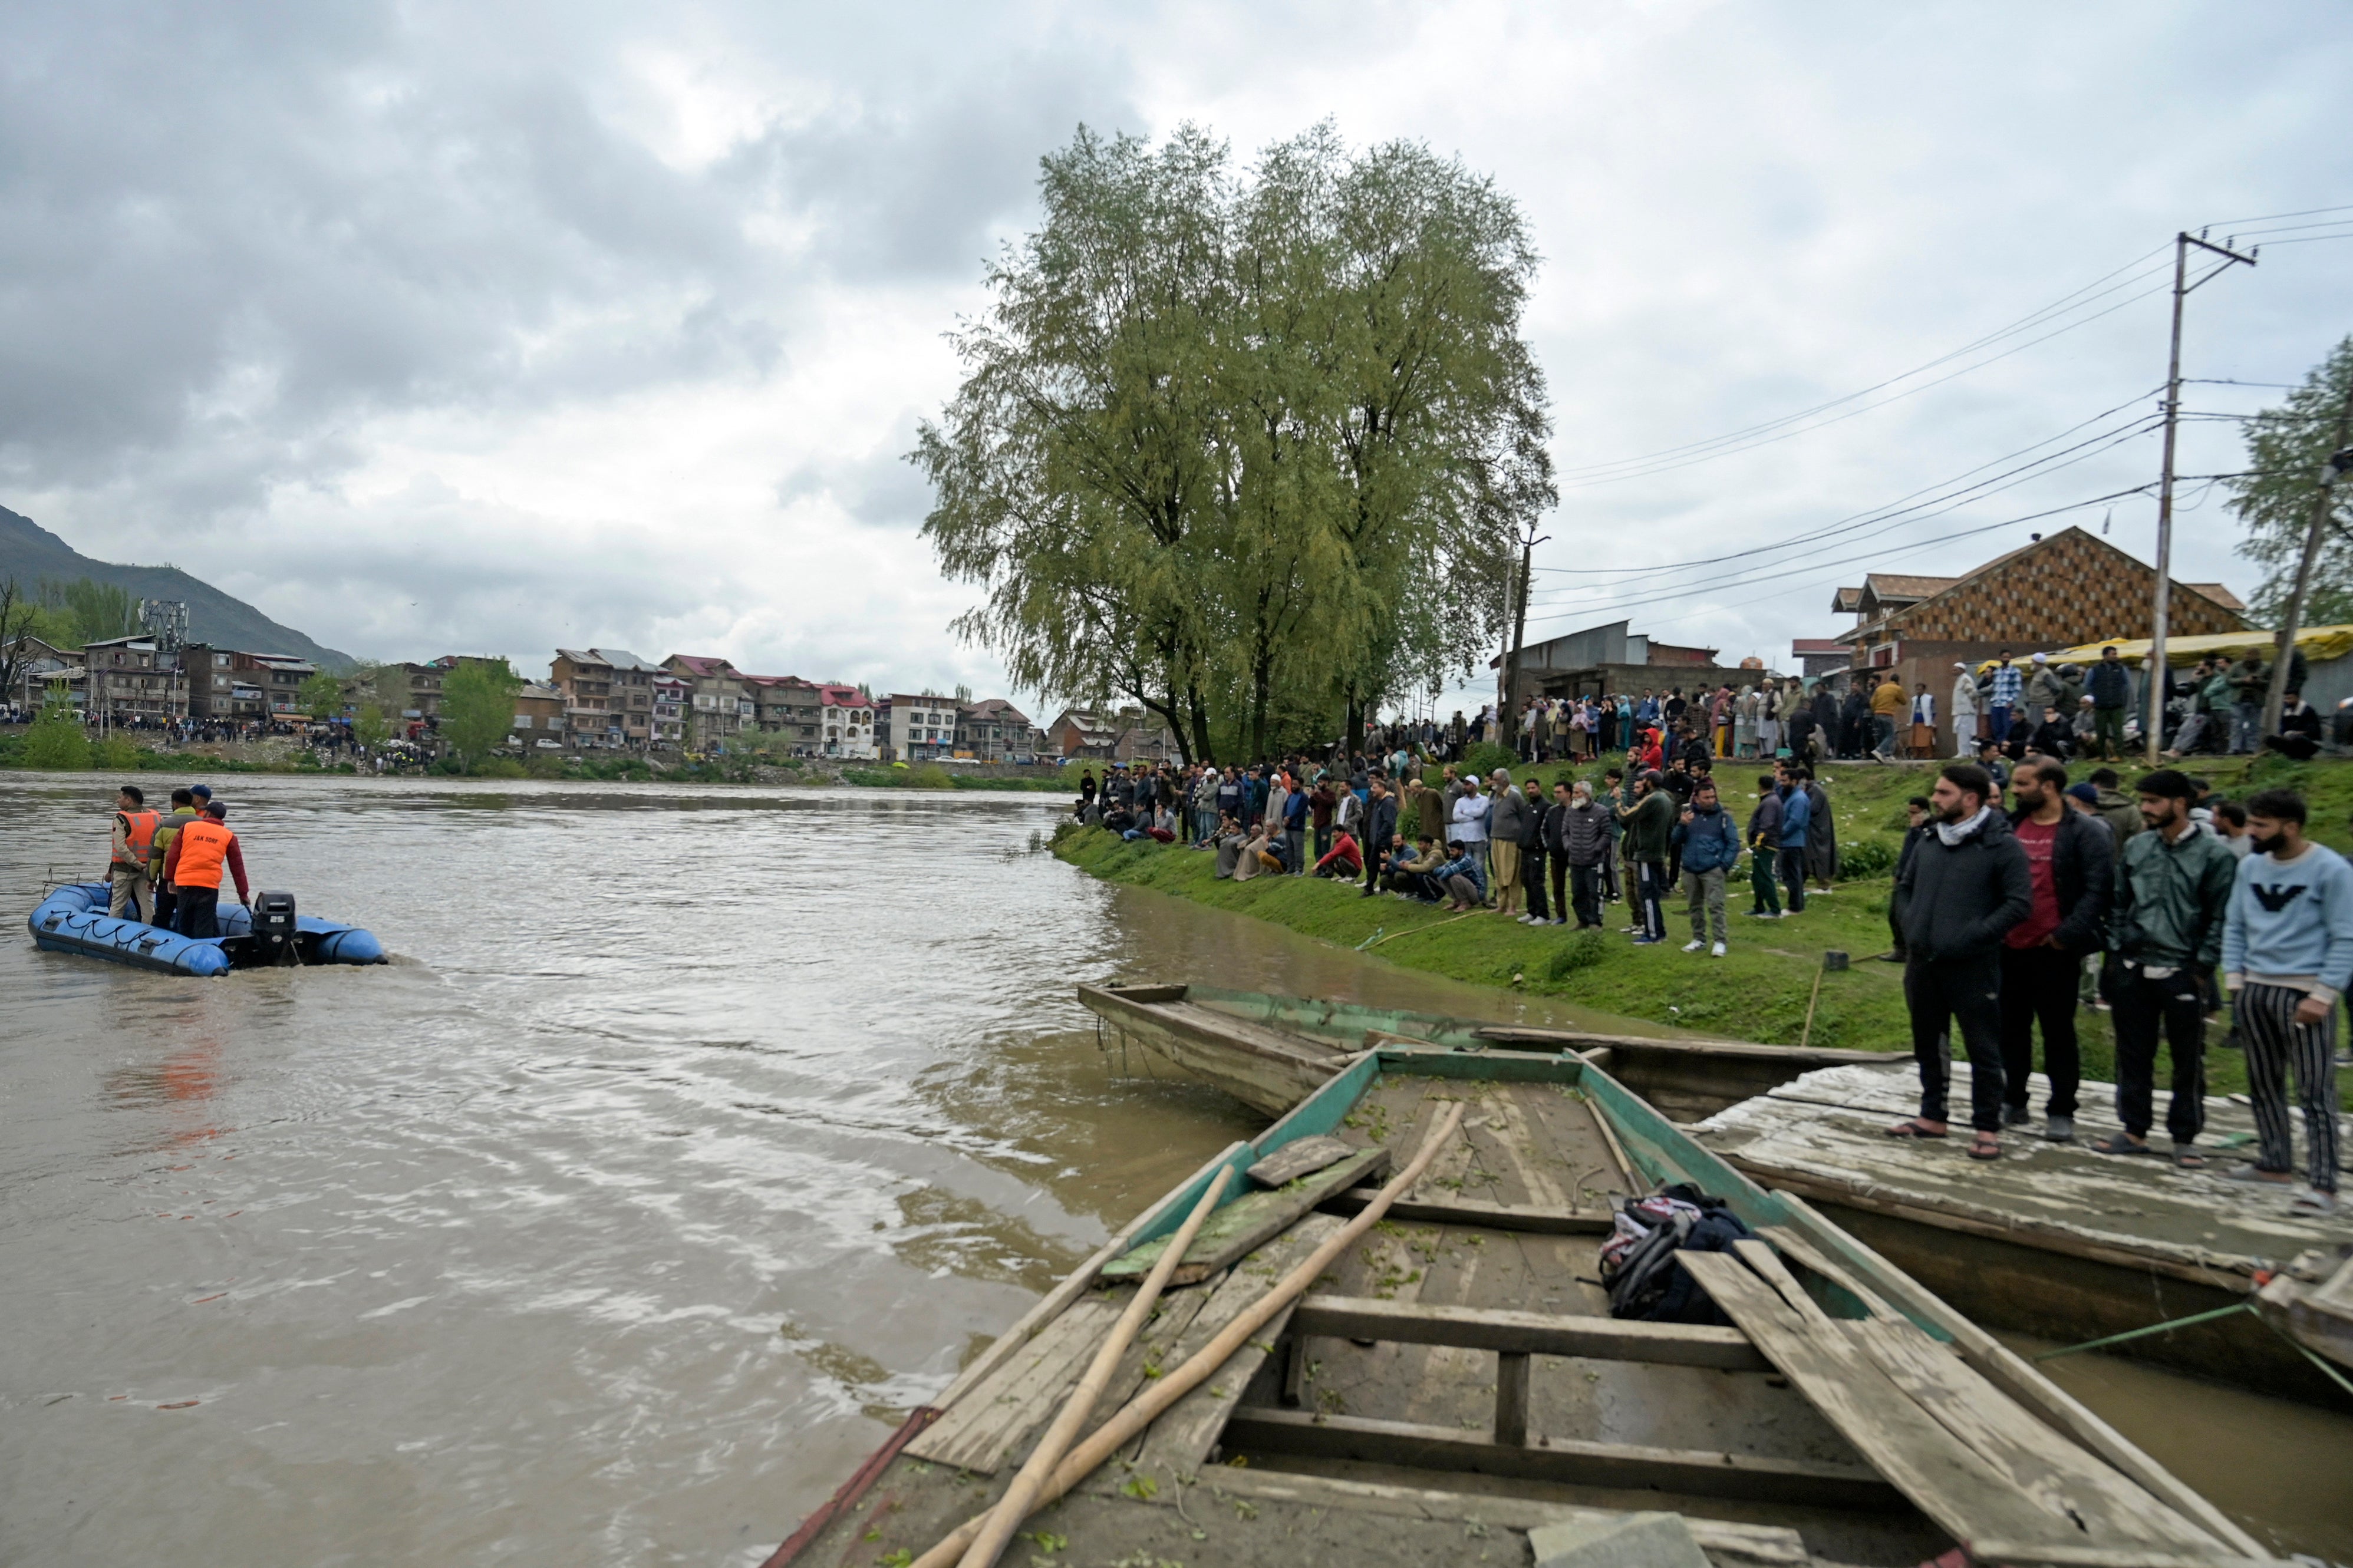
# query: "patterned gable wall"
x,y
2071,589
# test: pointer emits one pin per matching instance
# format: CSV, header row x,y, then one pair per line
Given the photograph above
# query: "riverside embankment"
x,y
1760,990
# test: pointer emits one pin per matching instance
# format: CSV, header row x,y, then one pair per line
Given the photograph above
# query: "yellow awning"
x,y
2317,643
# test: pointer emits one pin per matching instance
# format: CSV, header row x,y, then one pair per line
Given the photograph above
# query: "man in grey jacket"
x,y
1577,837
1507,828
1966,885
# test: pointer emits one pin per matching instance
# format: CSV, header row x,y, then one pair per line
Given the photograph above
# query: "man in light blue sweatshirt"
x,y
2287,955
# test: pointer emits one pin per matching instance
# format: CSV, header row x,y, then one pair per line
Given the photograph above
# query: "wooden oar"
x,y
1145,1408
1002,1520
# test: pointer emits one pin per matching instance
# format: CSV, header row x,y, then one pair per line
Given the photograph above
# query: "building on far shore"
x,y
846,722
719,706
994,731
539,714
128,681
919,728
1610,659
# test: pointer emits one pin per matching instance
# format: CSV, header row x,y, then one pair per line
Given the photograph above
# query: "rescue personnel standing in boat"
x,y
183,811
129,887
194,866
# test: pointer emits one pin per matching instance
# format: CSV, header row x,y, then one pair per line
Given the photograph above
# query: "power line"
x,y
2268,217
2064,304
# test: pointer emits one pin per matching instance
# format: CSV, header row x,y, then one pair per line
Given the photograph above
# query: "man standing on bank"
x,y
2165,927
2071,861
194,867
1965,888
2287,956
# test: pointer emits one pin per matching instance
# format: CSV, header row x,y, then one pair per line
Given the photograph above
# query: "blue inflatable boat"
x,y
74,920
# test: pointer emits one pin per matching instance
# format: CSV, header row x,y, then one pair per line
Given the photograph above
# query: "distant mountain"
x,y
29,553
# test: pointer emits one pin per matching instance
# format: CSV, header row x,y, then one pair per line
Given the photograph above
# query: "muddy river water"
x,y
690,1138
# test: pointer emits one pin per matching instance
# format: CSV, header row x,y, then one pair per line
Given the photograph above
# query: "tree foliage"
x,y
1248,449
2285,448
321,696
56,738
478,706
86,611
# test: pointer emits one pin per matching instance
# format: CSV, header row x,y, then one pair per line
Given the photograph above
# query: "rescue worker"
x,y
194,865
183,811
129,887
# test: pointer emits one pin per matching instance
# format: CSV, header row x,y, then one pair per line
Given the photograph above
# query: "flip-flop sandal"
x,y
1985,1149
2188,1160
2257,1173
1914,1128
2313,1204
2117,1143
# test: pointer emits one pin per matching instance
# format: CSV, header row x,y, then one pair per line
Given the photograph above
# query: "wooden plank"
x,y
984,1426
1540,1333
1180,1441
2013,1554
2021,1379
2058,1473
1811,1258
1694,1473
1299,1158
1249,1222
1763,1545
1463,1211
1947,1479
1512,1398
1145,994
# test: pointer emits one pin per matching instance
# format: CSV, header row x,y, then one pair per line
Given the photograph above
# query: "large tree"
x,y
478,706
1249,450
2285,448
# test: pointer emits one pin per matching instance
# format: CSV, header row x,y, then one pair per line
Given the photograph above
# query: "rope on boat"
x,y
1378,939
2230,1310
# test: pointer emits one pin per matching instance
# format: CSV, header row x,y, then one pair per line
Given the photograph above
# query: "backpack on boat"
x,y
1638,1262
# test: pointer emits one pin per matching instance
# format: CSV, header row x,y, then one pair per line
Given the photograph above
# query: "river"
x,y
690,1138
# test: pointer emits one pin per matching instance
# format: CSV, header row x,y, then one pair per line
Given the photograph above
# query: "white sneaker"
x,y
1718,950
1694,946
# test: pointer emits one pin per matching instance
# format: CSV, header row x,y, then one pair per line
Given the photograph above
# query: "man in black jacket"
x,y
1380,826
1577,836
1917,815
1966,886
2071,861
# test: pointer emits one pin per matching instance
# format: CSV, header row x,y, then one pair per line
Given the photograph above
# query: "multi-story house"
x,y
719,705
846,723
1083,733
995,731
608,697
36,666
219,690
917,729
631,701
539,715
279,678
673,699
785,706
413,694
128,681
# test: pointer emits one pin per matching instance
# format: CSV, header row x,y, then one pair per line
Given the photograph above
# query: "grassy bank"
x,y
1758,992
932,775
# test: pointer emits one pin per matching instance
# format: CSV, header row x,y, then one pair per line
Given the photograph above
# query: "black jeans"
x,y
1791,864
2038,985
1532,878
1966,991
199,911
2140,1007
1585,894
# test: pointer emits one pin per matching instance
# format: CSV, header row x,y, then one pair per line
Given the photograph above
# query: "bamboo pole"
x,y
1014,1507
1140,1412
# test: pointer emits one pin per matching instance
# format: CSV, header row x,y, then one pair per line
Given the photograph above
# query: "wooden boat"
x,y
2312,1303
2052,1240
1417,1367
1272,1052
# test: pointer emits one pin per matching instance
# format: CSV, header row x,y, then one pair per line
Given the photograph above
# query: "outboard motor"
x,y
273,928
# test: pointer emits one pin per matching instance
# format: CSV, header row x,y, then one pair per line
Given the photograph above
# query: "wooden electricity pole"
x,y
1509,717
2158,684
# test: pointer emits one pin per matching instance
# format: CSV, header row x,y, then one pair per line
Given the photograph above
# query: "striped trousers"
x,y
2275,1045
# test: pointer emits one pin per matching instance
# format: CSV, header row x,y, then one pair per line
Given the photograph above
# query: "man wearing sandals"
x,y
2287,954
1963,890
2173,887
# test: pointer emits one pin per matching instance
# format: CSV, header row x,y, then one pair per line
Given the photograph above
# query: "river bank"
x,y
1763,986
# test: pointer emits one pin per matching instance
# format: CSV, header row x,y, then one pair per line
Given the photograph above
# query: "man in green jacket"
x,y
2164,932
1650,824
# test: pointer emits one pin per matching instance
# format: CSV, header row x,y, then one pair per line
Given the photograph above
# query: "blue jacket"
x,y
1797,814
1710,842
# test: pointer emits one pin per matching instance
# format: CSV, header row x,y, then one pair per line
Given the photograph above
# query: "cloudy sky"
x,y
432,327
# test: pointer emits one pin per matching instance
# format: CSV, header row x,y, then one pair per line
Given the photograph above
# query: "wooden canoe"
x,y
1452,1382
2052,1240
1271,1052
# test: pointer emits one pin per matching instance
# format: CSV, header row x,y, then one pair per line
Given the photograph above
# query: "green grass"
x,y
1759,990
932,775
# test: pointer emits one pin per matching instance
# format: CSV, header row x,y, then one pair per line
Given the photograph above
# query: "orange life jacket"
x,y
139,833
204,846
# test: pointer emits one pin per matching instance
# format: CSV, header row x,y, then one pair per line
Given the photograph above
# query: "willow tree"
x,y
1250,450
2286,447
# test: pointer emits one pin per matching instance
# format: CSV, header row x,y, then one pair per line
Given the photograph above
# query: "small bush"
x,y
1581,950
500,768
56,740
1865,858
1485,757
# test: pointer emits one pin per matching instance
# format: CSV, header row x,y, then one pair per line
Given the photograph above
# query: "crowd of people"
x,y
1556,856
2171,906
164,868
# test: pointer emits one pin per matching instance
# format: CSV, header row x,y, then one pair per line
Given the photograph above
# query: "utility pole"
x,y
2339,464
1509,717
2158,684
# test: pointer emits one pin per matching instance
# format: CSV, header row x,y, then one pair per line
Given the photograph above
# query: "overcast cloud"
x,y
433,327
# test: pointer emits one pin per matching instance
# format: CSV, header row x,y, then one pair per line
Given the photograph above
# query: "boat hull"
x,y
74,920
